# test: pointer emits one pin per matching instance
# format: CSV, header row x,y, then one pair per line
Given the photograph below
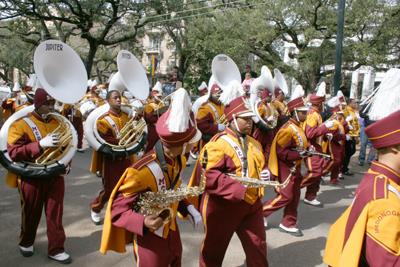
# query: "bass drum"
x,y
97,143
86,107
21,169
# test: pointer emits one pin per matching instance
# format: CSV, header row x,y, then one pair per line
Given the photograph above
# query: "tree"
x,y
101,23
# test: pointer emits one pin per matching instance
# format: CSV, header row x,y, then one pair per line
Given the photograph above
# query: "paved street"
x,y
83,237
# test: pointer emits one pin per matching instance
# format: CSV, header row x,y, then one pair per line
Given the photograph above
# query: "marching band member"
x,y
151,118
9,103
227,206
208,117
278,103
350,145
110,169
265,111
315,131
161,168
27,138
73,114
335,147
281,159
368,233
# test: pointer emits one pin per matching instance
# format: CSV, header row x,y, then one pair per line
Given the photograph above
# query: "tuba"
x,y
264,81
55,63
133,136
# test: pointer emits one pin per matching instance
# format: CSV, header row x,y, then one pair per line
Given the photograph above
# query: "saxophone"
x,y
256,183
157,203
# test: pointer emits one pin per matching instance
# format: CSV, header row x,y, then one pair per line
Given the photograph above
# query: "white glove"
x,y
350,127
329,124
270,118
349,118
311,148
221,127
127,110
194,217
329,136
51,140
348,137
303,154
265,175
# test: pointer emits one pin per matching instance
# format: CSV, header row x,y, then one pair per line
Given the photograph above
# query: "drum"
x,y
138,104
86,106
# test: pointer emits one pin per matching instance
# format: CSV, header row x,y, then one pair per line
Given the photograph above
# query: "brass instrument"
x,y
333,117
312,153
223,120
64,132
346,113
274,113
157,203
256,183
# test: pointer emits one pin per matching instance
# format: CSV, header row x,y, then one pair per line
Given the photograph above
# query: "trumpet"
x,y
312,153
256,183
157,203
223,120
65,135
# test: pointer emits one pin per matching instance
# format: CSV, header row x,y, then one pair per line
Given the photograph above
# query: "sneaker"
x,y
26,252
265,222
98,174
340,176
337,185
348,173
193,155
95,217
80,150
360,163
313,202
291,231
62,258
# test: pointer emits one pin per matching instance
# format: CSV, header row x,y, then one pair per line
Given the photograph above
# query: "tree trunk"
x,y
90,56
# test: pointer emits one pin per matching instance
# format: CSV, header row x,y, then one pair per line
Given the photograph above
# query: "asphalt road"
x,y
83,237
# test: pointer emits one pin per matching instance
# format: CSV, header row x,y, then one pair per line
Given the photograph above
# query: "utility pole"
x,y
339,45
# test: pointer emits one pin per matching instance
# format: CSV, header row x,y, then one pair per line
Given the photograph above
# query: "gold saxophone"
x,y
333,117
353,123
223,120
49,154
256,183
157,203
274,113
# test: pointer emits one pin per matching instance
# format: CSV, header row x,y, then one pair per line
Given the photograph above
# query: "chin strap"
x,y
184,149
235,122
297,117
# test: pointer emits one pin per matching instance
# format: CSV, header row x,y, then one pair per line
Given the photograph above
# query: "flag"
x,y
154,64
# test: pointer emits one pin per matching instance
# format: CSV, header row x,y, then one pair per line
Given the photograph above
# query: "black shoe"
x,y
337,185
360,163
348,173
322,180
98,174
26,253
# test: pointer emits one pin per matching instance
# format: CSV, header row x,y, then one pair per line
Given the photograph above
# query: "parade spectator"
x,y
247,69
364,139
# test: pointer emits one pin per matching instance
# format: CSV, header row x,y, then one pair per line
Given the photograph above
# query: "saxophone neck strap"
x,y
161,159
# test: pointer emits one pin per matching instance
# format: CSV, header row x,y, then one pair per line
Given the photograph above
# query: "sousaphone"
x,y
133,136
62,74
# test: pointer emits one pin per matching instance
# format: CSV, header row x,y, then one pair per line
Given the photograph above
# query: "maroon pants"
x,y
34,193
78,124
112,172
333,164
312,178
222,219
287,197
152,138
154,251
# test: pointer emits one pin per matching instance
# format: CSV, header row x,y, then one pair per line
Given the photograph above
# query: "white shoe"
x,y
80,150
95,217
26,252
193,155
292,231
63,258
265,222
313,202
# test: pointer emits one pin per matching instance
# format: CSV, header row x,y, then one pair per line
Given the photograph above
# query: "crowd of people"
x,y
228,146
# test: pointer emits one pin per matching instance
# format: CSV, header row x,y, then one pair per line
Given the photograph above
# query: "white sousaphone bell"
x,y
131,76
62,74
224,70
280,82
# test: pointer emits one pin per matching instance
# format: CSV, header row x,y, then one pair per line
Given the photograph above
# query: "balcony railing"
x,y
153,49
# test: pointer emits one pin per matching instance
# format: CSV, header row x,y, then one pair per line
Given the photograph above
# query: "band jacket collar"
x,y
314,109
38,117
230,131
379,167
293,121
115,114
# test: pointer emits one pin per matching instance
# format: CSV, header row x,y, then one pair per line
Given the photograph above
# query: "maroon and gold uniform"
x,y
8,108
151,118
23,145
72,113
315,131
265,138
26,104
111,170
281,160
